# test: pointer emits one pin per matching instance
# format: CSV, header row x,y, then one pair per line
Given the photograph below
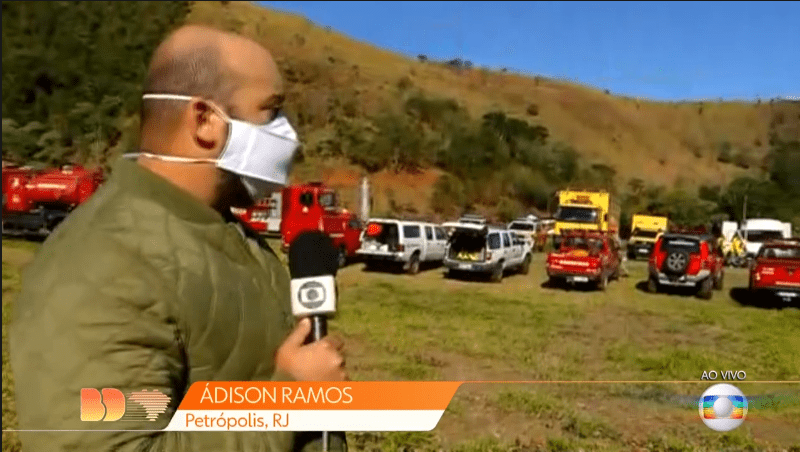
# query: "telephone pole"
x,y
744,216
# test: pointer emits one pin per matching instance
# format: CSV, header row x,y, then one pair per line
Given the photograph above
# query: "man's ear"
x,y
209,130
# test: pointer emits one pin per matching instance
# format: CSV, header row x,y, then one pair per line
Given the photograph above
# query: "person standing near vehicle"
x,y
153,283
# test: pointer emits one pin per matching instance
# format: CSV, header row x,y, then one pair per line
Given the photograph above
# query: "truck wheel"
x,y
413,264
652,285
526,265
602,283
706,289
631,256
497,273
342,257
676,262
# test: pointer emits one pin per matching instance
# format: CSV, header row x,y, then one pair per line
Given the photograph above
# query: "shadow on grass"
x,y
763,300
567,287
476,277
688,292
397,268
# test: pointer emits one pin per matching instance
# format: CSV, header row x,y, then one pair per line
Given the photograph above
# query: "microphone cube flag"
x,y
313,295
313,262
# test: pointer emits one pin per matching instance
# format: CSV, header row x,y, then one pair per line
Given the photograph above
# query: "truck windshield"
x,y
327,200
685,244
645,234
763,236
577,214
521,226
780,252
582,243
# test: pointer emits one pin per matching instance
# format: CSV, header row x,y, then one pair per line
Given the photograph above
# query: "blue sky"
x,y
655,50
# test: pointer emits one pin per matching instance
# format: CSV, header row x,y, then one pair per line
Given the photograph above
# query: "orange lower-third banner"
x,y
340,406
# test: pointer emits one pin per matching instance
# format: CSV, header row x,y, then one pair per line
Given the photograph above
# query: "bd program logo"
x,y
110,404
723,407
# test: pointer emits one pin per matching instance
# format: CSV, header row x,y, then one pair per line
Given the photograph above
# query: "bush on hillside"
x,y
724,155
508,209
564,165
603,176
448,196
742,159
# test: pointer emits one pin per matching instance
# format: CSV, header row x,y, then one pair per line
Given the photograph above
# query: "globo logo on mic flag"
x,y
312,295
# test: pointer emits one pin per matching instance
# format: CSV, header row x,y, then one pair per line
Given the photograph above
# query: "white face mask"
x,y
261,155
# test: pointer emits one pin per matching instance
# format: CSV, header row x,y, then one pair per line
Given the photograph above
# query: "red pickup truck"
x,y
585,257
776,270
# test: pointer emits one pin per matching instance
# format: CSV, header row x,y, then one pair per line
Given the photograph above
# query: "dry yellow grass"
x,y
662,143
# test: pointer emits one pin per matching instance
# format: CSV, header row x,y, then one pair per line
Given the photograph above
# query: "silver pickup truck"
x,y
475,248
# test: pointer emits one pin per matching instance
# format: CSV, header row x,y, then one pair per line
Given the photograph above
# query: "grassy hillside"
x,y
661,143
435,137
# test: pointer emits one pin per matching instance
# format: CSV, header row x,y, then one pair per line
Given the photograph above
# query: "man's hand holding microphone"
x,y
318,361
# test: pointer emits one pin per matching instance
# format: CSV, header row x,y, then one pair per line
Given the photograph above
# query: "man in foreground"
x,y
153,284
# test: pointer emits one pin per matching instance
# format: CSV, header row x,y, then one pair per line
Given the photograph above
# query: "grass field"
x,y
400,327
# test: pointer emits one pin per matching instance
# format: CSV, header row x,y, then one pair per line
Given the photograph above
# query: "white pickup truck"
x,y
476,248
405,243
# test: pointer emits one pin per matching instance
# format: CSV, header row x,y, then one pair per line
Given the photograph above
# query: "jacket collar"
x,y
143,183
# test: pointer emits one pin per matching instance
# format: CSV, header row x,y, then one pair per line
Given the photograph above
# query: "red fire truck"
x,y
35,202
264,217
315,207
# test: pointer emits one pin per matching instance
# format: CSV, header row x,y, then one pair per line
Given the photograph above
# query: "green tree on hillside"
x,y
448,196
72,73
785,168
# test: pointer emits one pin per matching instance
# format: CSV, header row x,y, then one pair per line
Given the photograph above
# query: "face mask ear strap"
x,y
168,158
168,97
213,106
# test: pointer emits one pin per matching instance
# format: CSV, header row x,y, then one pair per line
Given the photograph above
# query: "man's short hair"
x,y
199,72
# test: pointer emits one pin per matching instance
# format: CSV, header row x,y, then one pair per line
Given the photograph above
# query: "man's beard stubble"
x,y
230,192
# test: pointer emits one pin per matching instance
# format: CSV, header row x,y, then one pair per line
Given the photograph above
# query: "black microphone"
x,y
313,262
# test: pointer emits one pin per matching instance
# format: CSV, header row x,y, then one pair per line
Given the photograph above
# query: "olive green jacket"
x,y
145,287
